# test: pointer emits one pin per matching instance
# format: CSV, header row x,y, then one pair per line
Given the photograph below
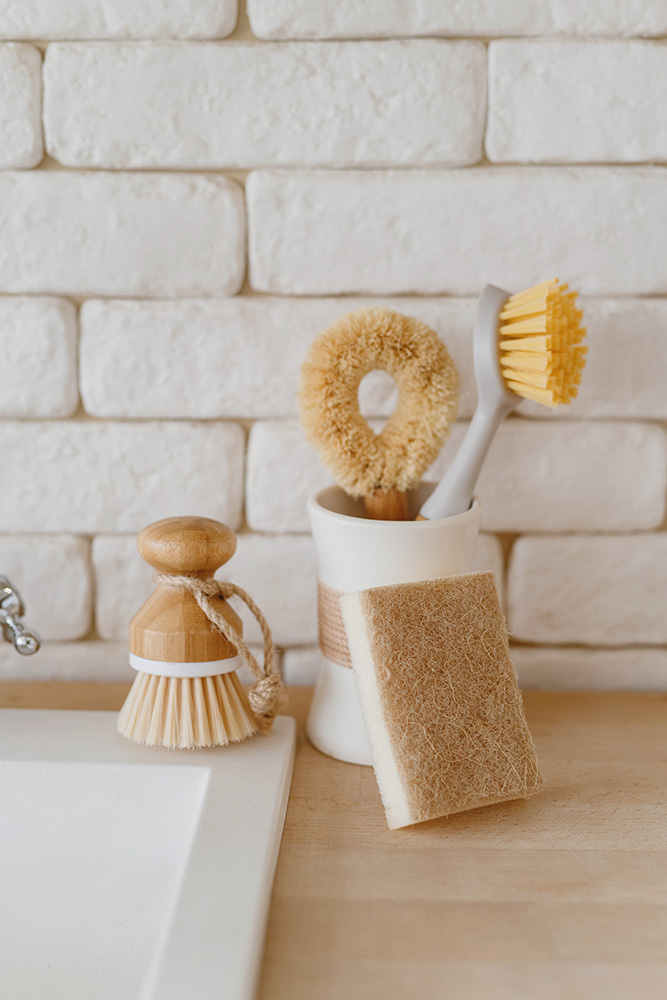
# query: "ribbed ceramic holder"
x,y
354,553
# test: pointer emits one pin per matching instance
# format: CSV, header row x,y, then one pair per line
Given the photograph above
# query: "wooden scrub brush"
x,y
186,645
379,468
525,345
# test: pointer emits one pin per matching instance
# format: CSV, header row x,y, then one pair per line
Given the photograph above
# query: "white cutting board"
x,y
134,873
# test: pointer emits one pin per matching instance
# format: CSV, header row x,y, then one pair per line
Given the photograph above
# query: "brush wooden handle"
x,y
194,546
387,505
171,626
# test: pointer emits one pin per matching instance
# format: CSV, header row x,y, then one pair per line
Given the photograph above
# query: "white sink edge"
x,y
218,913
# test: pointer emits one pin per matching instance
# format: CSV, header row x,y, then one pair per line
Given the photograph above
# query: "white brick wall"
x,y
143,375
538,477
39,345
626,366
319,233
571,476
120,234
86,477
69,661
117,18
20,111
163,359
53,575
542,107
592,589
123,581
384,18
334,104
572,669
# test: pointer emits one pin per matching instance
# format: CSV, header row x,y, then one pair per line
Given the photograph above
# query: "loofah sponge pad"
x,y
440,697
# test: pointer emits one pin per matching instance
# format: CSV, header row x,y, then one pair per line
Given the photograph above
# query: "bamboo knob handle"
x,y
193,545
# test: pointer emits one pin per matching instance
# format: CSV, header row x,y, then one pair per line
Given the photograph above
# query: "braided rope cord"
x,y
266,695
332,635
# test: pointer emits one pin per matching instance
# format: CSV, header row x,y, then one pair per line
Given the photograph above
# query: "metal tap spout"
x,y
25,640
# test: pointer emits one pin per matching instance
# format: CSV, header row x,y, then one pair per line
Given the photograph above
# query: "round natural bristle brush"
x,y
378,468
527,345
186,645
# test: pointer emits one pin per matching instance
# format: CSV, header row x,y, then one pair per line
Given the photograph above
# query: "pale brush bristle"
x,y
183,713
541,351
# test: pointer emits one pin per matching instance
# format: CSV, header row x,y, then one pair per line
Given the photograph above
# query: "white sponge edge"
x,y
391,788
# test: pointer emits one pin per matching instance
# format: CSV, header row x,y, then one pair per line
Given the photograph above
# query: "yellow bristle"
x,y
535,291
539,380
536,343
536,324
534,307
544,396
541,350
528,361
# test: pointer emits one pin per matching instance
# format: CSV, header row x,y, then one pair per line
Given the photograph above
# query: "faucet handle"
x,y
25,640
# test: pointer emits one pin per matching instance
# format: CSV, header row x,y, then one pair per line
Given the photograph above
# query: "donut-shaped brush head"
x,y
364,463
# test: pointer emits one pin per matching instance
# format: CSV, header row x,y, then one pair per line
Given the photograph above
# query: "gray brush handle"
x,y
454,494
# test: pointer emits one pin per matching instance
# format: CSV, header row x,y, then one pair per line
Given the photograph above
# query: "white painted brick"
x,y
609,17
488,555
20,106
337,104
164,359
278,573
88,477
123,581
590,589
385,232
570,476
577,102
117,18
283,471
626,365
382,18
539,476
120,234
102,662
301,666
52,574
38,342
554,669
385,18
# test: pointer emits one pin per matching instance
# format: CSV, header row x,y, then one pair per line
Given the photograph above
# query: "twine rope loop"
x,y
266,695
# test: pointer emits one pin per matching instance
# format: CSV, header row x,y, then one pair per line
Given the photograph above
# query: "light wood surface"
x,y
171,626
562,897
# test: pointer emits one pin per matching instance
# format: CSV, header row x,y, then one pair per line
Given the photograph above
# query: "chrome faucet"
x,y
26,641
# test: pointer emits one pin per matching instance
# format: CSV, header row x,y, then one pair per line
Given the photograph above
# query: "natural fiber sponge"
x,y
440,697
427,381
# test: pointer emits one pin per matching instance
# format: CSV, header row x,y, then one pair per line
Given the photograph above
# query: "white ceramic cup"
x,y
354,553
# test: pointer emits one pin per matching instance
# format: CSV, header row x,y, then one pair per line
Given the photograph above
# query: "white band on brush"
x,y
209,668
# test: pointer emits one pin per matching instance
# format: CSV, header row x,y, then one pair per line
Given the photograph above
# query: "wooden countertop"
x,y
563,897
